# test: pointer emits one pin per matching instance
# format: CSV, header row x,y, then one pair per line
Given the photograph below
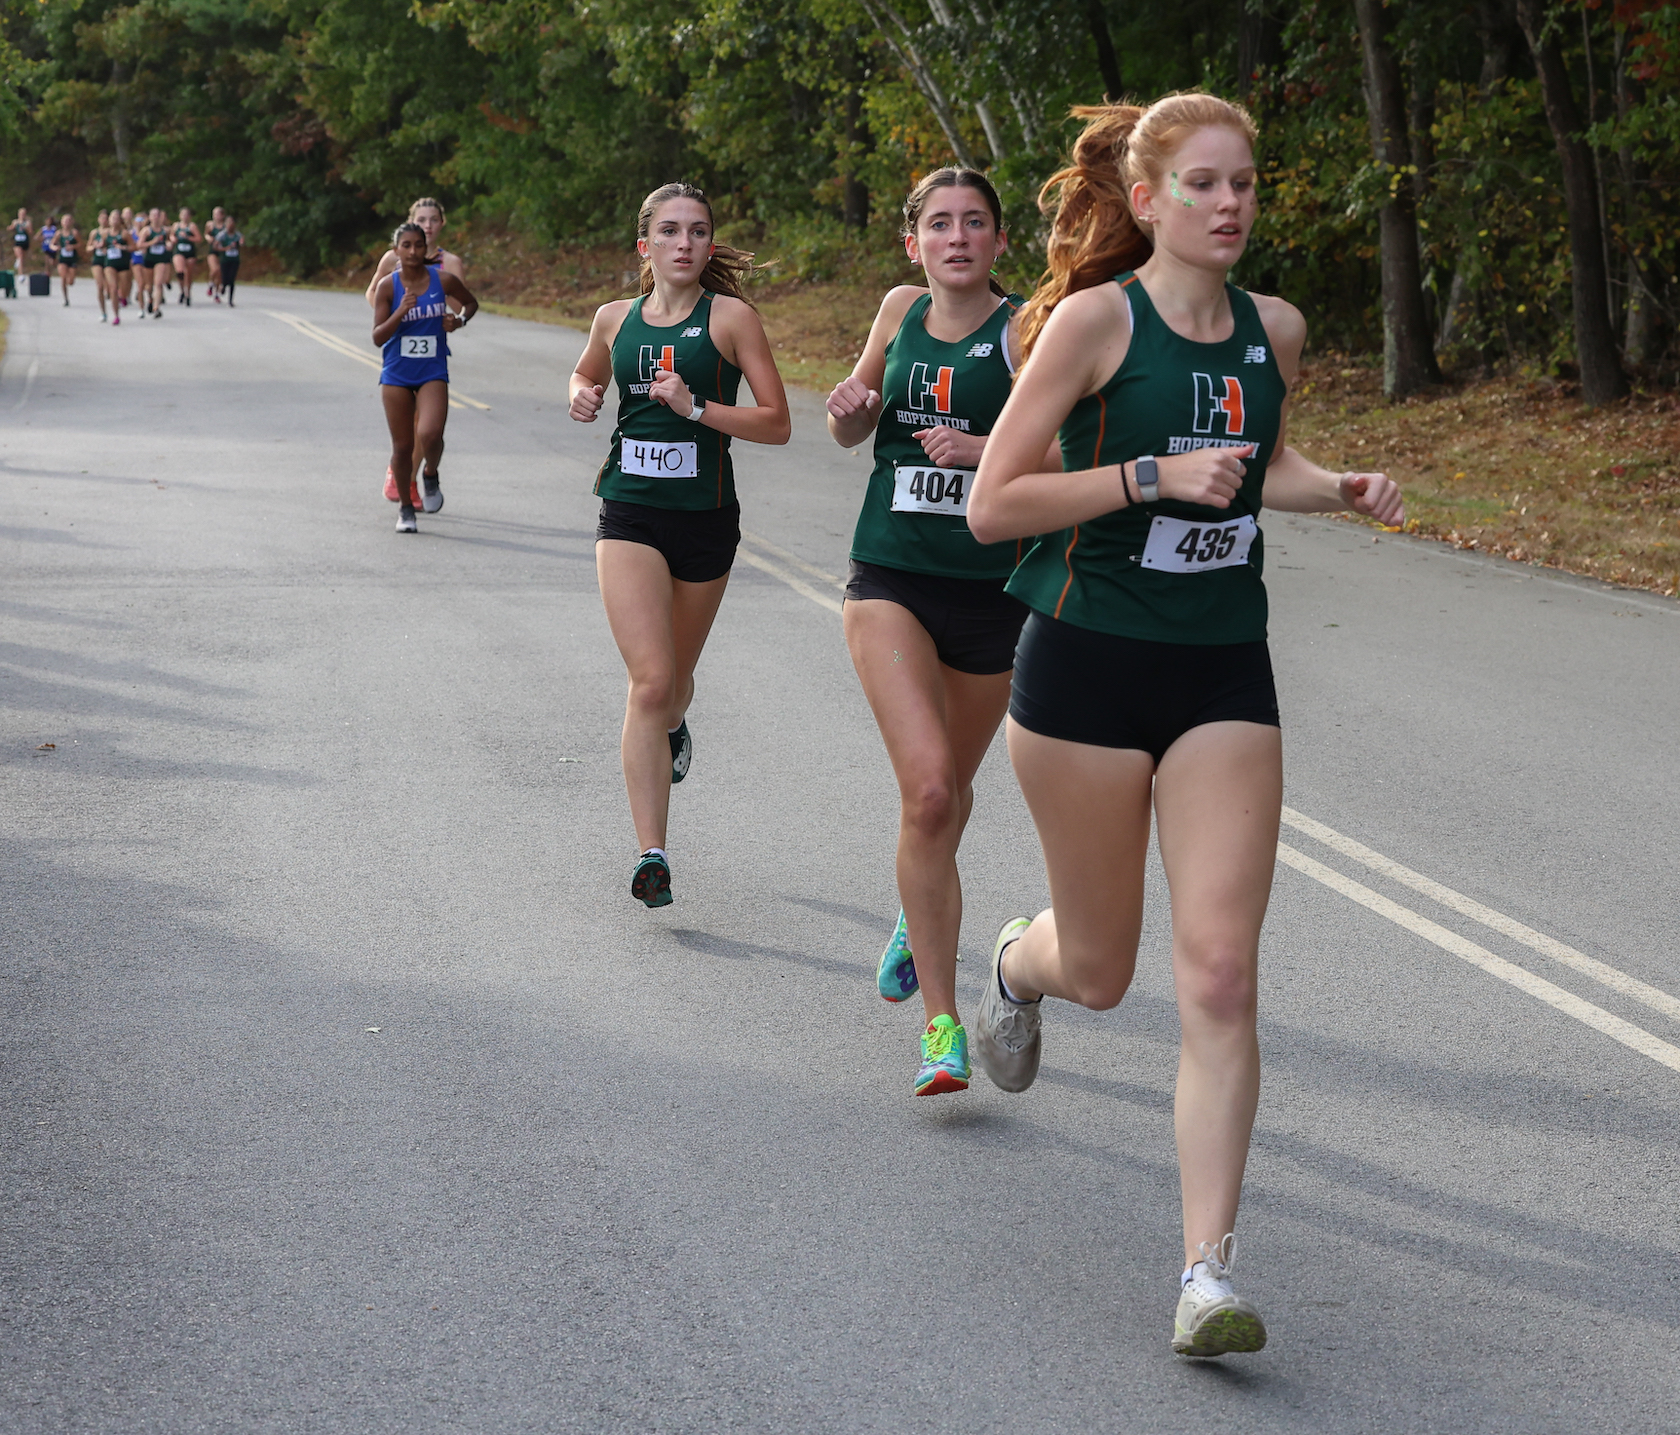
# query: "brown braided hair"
x,y
725,272
1094,234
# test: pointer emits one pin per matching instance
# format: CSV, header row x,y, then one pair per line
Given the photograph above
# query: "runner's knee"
x,y
932,805
1219,980
653,692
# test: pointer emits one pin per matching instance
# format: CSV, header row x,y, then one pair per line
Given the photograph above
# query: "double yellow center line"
x,y
457,400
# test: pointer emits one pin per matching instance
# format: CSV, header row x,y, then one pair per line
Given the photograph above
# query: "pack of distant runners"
x,y
141,261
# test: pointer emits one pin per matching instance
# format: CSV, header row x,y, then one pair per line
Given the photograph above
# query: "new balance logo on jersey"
x,y
1210,401
922,388
980,351
696,333
1255,354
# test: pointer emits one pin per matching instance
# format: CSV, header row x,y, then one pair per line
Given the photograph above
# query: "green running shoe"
x,y
651,882
895,976
944,1059
682,751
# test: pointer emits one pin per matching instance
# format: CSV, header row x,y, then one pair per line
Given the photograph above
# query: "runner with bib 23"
x,y
930,628
1143,674
670,522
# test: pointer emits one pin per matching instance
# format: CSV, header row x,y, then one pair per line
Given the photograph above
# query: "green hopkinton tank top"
x,y
1170,395
914,513
658,457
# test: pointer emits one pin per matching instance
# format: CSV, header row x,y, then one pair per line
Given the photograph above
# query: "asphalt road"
x,y
346,1089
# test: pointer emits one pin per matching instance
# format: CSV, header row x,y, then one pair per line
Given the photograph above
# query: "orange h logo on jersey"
x,y
939,389
650,367
1210,401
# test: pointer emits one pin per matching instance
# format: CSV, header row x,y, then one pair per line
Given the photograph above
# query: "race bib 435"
x,y
1176,546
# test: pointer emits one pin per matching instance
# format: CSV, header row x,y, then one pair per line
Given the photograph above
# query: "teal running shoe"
x,y
944,1059
895,977
650,884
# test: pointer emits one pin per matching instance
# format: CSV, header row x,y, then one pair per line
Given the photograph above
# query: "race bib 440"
x,y
918,488
658,460
1176,546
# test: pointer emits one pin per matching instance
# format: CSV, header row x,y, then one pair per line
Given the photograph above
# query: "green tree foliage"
x,y
317,121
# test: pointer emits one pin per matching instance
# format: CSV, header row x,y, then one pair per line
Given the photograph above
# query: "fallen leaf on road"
x,y
47,747
370,1028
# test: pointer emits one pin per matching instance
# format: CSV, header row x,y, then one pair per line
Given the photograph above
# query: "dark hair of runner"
x,y
952,177
408,226
725,272
1094,234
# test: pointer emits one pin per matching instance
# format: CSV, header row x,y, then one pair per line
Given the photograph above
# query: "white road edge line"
x,y
1601,972
339,346
1636,1038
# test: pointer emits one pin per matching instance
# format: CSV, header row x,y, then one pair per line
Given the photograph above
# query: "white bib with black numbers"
x,y
917,488
419,346
648,459
1176,546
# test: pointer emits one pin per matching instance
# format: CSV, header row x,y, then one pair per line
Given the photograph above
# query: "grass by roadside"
x,y
1514,468
1506,466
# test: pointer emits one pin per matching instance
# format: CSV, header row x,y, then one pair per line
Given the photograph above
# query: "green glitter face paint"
x,y
1178,193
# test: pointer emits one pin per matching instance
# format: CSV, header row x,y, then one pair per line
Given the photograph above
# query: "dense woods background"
x,y
1491,185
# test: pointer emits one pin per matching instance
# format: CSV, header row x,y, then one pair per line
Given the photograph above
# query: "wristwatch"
x,y
699,404
1148,480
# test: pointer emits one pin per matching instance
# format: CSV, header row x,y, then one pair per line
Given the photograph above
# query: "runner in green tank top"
x,y
657,457
931,631
1142,675
669,520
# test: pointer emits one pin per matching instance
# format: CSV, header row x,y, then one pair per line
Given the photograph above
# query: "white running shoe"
x,y
1008,1037
1212,1318
405,520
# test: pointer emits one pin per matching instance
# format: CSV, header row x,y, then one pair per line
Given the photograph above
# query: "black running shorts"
x,y
698,545
972,621
1109,691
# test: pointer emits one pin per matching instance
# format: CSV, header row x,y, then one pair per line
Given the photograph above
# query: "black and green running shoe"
x,y
650,884
682,751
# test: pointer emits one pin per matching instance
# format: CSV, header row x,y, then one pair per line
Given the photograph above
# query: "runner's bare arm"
x,y
738,333
387,262
854,406
593,373
453,288
1295,484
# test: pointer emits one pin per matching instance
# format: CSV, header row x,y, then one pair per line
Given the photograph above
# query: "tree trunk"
x,y
854,194
119,116
1259,42
1096,16
1595,340
1496,24
1408,354
1638,330
901,39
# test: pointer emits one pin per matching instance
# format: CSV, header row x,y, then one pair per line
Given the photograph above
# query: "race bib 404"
x,y
1176,546
918,488
658,460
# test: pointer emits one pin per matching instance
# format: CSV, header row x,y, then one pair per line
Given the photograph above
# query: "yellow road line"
x,y
793,580
1636,1038
793,560
350,351
1601,972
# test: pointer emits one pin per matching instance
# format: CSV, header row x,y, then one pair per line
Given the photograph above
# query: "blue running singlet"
x,y
417,353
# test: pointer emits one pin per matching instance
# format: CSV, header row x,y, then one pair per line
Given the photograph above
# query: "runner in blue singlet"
x,y
414,380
